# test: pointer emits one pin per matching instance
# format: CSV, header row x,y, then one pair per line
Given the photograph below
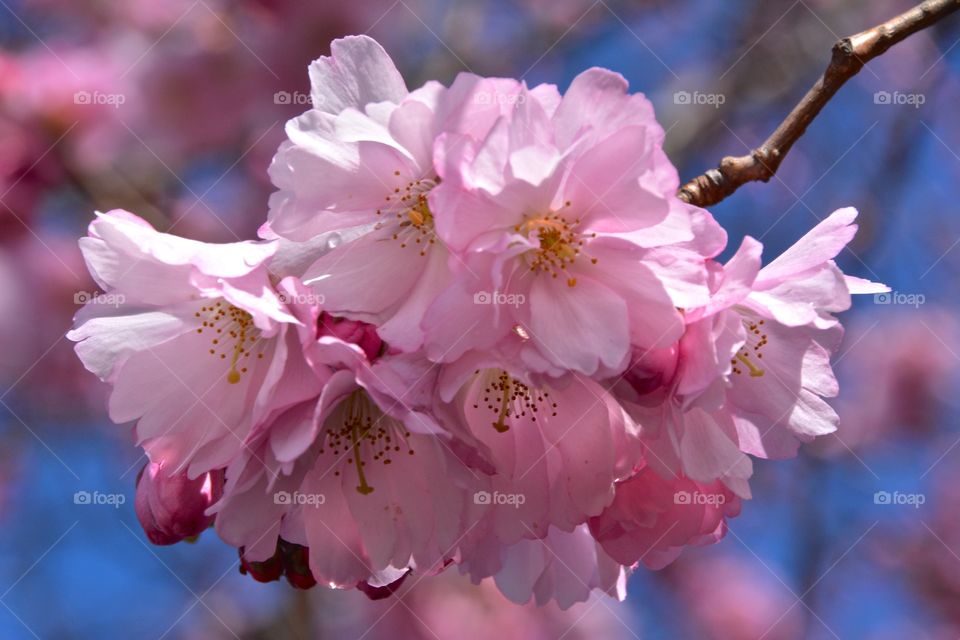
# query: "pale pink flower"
x,y
365,149
551,450
693,443
548,452
454,609
781,320
196,341
750,373
541,213
384,492
338,151
362,158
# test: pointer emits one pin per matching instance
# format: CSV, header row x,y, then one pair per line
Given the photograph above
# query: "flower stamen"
x,y
560,244
752,347
231,326
365,433
509,398
413,219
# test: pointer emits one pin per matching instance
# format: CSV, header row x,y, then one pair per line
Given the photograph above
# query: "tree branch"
x,y
850,54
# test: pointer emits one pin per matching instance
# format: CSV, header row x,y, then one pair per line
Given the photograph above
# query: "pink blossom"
x,y
388,492
480,329
362,158
753,365
782,324
195,340
552,450
540,213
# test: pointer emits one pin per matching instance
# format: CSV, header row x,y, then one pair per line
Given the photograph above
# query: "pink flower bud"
x,y
171,508
651,369
359,333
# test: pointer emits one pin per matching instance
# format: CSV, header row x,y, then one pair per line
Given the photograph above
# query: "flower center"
x,y
508,398
752,348
413,219
560,244
365,435
233,335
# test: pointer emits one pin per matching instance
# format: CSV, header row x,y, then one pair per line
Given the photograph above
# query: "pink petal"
x,y
357,72
580,327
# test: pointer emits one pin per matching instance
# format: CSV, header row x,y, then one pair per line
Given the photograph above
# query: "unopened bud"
x,y
171,508
353,331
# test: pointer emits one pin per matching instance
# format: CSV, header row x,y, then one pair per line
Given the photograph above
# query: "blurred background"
x,y
173,110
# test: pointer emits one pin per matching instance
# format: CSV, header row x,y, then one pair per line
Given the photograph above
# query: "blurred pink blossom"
x,y
899,372
737,598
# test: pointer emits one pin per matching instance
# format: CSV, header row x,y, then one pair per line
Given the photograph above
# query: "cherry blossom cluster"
x,y
479,332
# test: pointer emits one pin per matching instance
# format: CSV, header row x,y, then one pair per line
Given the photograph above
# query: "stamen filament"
x,y
233,376
755,372
500,425
356,438
510,399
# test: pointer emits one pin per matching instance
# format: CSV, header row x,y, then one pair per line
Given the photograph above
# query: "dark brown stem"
x,y
849,56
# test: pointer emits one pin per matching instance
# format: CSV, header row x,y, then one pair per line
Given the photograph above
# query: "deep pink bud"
x,y
296,563
359,333
289,559
652,369
267,571
171,508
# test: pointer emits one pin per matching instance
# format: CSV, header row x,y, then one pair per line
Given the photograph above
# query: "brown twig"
x,y
850,54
